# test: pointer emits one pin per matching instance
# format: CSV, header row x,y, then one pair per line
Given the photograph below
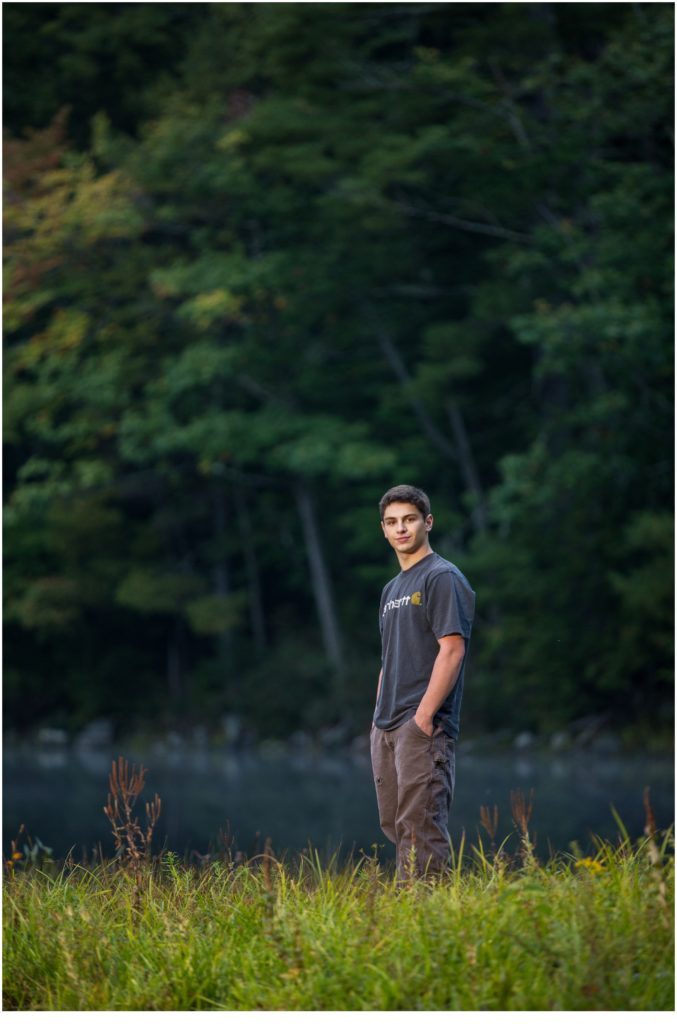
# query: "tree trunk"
x,y
256,615
319,576
396,363
221,575
468,467
460,451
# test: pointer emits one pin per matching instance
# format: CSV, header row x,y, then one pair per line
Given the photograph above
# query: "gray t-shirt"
x,y
431,600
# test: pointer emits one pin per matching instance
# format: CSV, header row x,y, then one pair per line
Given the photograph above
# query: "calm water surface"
x,y
326,801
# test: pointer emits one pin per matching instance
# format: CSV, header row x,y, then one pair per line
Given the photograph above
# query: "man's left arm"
x,y
442,679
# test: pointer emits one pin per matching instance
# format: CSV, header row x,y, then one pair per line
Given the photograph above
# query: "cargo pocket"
x,y
442,780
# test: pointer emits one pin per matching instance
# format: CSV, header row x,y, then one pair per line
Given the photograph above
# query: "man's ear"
x,y
429,523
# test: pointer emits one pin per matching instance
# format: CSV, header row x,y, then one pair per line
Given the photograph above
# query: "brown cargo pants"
x,y
414,779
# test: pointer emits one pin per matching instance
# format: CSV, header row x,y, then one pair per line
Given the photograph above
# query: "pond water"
x,y
326,801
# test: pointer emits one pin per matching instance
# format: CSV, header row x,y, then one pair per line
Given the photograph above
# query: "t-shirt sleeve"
x,y
450,605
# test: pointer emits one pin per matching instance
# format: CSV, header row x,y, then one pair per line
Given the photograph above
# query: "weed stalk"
x,y
521,814
133,844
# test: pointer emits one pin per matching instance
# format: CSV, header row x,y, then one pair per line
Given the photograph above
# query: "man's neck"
x,y
408,560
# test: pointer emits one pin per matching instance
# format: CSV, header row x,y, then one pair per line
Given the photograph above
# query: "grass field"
x,y
587,934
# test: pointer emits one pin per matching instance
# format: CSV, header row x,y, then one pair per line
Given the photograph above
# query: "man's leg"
x,y
385,779
425,768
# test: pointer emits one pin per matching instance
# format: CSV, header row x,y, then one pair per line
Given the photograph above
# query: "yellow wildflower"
x,y
593,866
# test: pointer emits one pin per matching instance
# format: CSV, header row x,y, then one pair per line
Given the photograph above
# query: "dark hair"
x,y
407,494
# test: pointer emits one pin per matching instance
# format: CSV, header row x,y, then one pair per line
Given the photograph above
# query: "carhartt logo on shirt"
x,y
398,602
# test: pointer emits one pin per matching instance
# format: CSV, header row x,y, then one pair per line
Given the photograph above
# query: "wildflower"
x,y
593,866
16,855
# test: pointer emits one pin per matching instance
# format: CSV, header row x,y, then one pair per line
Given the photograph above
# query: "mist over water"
x,y
326,801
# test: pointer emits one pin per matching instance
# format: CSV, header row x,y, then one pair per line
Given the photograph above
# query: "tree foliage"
x,y
330,247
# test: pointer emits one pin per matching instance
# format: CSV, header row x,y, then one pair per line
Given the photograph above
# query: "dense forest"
x,y
264,261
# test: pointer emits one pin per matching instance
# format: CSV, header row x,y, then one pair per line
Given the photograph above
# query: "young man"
x,y
426,617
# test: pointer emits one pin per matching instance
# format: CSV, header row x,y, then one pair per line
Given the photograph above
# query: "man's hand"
x,y
424,722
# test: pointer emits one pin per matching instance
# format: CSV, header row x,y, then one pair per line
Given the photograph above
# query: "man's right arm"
x,y
378,688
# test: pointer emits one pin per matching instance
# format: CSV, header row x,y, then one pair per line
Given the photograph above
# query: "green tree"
x,y
330,248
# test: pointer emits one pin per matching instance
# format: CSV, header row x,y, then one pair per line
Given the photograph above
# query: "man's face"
x,y
405,528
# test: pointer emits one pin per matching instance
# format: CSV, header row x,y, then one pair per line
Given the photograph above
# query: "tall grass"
x,y
593,933
310,937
